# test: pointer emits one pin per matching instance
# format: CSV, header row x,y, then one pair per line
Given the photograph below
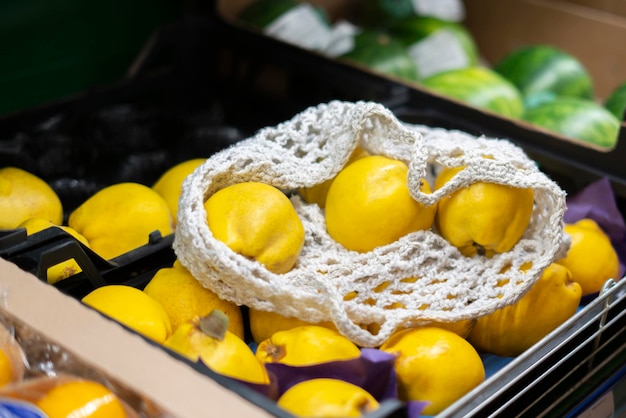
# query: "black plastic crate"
x,y
201,85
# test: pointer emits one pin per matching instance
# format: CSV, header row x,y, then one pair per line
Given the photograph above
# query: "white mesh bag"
x,y
416,280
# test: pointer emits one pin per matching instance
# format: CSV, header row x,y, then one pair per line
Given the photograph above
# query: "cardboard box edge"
x,y
143,367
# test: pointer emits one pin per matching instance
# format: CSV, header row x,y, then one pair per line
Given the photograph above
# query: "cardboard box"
x,y
615,7
108,347
592,31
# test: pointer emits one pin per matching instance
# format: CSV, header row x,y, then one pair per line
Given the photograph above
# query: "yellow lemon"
x,y
66,268
257,221
184,298
133,308
317,194
120,218
24,195
326,397
263,324
434,365
306,345
6,369
369,204
591,258
81,398
170,184
511,330
208,339
483,218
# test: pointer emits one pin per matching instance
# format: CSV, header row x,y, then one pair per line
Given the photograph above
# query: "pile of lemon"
x,y
115,220
368,204
432,363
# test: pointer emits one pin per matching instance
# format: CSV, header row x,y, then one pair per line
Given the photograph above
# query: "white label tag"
x,y
341,38
602,408
300,26
438,52
452,10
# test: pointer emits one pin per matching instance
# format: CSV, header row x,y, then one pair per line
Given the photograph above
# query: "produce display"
x,y
338,260
360,288
288,358
428,47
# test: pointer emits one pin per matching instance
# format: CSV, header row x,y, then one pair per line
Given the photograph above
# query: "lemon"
x,y
434,365
133,308
119,218
511,330
306,345
591,258
66,268
369,204
81,398
24,195
317,194
263,324
483,218
170,184
208,339
257,221
184,298
6,369
326,397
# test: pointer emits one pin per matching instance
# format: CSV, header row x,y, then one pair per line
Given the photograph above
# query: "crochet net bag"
x,y
415,280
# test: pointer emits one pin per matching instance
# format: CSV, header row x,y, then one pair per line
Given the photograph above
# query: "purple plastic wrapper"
x,y
597,202
373,371
270,390
414,409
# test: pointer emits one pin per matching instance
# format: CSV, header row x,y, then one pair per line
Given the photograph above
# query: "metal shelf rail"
x,y
564,373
